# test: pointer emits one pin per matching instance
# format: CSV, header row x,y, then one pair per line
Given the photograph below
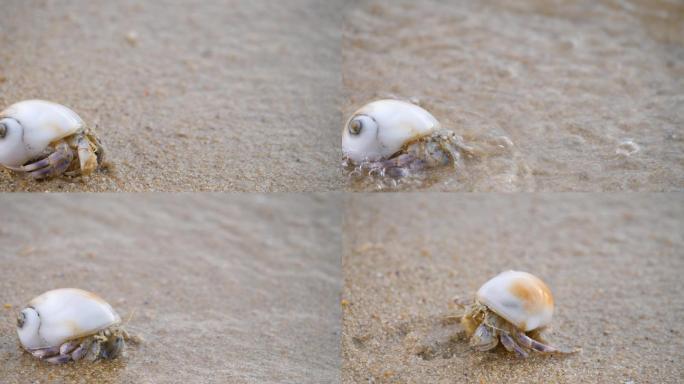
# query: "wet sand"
x,y
186,95
222,288
614,264
556,96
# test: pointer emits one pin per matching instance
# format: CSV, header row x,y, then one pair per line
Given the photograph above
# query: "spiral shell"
x,y
381,128
61,315
28,127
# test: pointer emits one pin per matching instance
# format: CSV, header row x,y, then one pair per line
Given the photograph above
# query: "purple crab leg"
x,y
45,352
512,346
62,150
67,347
52,165
399,161
80,352
483,339
535,345
59,359
400,166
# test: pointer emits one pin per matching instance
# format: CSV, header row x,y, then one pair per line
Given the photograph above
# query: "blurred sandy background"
x,y
614,264
187,95
558,95
223,289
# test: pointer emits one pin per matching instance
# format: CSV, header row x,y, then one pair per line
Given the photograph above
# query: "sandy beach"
x,y
186,95
222,288
252,95
613,263
556,96
327,283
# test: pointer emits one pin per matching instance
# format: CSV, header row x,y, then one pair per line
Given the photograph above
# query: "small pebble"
x,y
132,38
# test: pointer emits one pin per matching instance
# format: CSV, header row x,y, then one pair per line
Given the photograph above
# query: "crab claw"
x,y
86,156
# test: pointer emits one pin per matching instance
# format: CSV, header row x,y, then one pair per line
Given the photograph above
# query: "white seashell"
x,y
28,127
381,128
519,297
511,309
61,315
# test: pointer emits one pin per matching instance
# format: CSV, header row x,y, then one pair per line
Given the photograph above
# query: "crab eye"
x,y
355,126
3,130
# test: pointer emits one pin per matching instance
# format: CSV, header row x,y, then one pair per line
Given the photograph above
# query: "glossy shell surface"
x,y
381,128
30,126
61,315
519,297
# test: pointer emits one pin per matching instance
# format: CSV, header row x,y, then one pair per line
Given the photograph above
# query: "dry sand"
x,y
559,95
223,288
251,95
614,264
187,95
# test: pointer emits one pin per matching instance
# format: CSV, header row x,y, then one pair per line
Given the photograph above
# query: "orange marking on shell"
x,y
74,328
93,296
532,292
58,132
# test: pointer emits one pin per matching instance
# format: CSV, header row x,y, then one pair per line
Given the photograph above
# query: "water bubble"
x,y
627,147
503,142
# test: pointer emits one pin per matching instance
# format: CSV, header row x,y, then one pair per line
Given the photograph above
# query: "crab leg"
x,y
45,352
93,351
67,347
399,166
62,150
400,161
86,155
112,347
484,338
55,355
99,148
59,359
81,351
535,345
511,345
52,165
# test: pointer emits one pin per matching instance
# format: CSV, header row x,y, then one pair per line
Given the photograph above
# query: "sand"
x,y
186,95
613,262
220,96
252,95
222,288
557,96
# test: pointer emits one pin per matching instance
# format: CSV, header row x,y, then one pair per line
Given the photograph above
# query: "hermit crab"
x,y
395,137
45,139
511,308
70,324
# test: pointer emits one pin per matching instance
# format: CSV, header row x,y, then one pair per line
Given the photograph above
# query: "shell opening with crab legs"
x,y
395,138
68,324
511,308
32,131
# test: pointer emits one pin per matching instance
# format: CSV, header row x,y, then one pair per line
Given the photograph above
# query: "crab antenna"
x,y
130,316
